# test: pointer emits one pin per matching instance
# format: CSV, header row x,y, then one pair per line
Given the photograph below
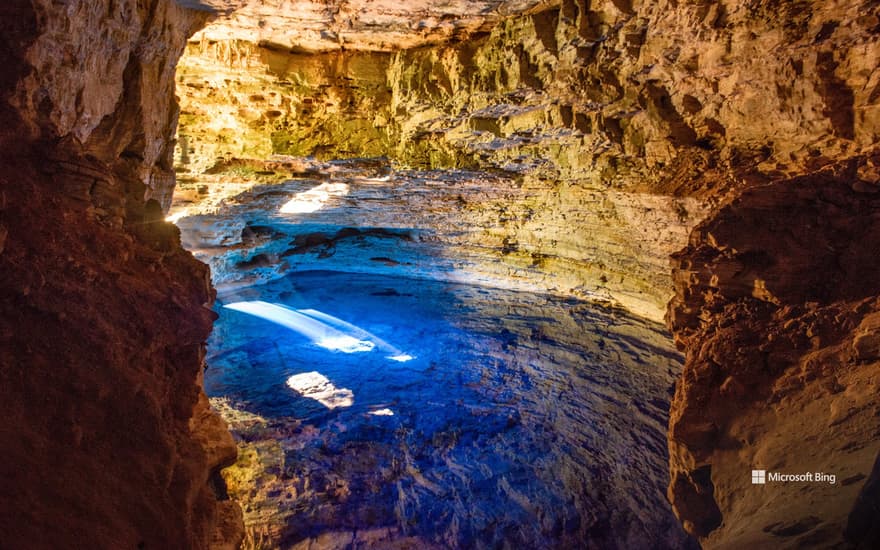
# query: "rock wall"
x,y
108,438
506,100
240,101
760,119
631,121
779,324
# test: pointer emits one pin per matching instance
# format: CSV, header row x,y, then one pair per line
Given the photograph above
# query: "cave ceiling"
x,y
374,25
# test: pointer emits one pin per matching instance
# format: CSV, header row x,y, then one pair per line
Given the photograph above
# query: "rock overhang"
x,y
365,25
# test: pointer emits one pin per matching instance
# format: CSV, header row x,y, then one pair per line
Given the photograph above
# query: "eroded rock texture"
x,y
507,100
375,25
491,229
107,435
780,327
760,119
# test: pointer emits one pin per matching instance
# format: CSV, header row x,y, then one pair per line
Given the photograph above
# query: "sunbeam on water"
x,y
510,420
315,385
345,344
396,354
324,330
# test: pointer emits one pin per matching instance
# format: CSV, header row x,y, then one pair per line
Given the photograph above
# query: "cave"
x,y
494,274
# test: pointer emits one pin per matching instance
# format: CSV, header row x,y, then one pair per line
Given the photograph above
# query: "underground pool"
x,y
403,404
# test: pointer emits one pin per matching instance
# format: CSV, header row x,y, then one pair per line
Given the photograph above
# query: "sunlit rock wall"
x,y
241,101
684,111
511,99
107,436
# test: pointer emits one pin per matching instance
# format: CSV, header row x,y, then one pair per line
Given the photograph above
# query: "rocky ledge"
x,y
371,25
492,229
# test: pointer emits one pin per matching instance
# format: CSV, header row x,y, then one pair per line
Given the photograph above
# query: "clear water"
x,y
522,420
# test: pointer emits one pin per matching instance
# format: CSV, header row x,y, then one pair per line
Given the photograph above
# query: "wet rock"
x,y
311,240
258,260
254,234
387,261
466,221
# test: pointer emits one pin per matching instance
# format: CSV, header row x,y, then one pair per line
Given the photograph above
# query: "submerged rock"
x,y
517,419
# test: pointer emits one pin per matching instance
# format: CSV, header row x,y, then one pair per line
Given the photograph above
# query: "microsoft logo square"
x,y
759,477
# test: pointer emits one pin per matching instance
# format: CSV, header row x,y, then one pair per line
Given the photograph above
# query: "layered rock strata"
x,y
108,438
766,116
496,230
471,106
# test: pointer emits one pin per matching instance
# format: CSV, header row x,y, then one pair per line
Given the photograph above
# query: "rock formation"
x,y
751,127
780,372
509,100
374,25
108,438
742,134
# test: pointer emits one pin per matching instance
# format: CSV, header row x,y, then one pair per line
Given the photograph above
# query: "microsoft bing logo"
x,y
759,477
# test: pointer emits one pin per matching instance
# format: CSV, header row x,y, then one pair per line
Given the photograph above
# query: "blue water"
x,y
522,421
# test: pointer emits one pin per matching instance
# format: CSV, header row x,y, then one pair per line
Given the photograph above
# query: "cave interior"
x,y
464,274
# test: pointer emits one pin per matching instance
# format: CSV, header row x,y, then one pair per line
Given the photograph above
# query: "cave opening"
x,y
434,329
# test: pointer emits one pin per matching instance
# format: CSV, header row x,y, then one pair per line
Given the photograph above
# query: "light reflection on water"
x,y
520,420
